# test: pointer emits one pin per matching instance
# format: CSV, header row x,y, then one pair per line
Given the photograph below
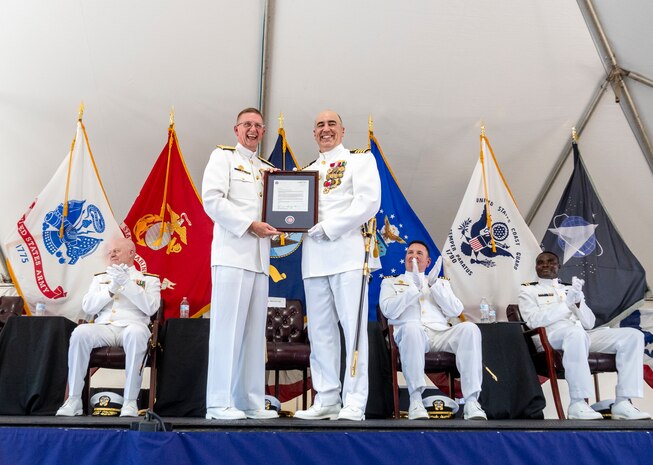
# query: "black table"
x,y
183,362
516,392
34,364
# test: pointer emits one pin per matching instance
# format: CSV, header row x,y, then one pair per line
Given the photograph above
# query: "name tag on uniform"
x,y
545,295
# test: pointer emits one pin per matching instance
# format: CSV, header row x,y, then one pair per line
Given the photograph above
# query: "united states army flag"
x,y
59,243
490,250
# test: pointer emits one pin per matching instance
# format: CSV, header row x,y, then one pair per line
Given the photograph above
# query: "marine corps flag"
x,y
490,250
172,232
59,243
397,225
286,258
590,248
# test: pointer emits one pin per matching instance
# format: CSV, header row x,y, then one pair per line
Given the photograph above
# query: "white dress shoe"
x,y
71,408
416,411
473,411
261,414
349,412
581,411
624,410
225,413
319,412
129,409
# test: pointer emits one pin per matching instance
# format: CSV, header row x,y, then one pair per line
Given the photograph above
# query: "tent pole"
x,y
638,77
265,66
553,175
618,83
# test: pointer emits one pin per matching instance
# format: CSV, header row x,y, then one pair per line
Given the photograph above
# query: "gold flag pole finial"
x,y
574,135
370,124
281,120
172,117
482,128
81,111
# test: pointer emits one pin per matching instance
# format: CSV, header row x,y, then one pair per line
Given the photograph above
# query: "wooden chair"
x,y
10,306
548,361
114,358
435,362
287,343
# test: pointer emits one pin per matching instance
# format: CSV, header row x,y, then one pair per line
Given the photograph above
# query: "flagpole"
x,y
282,133
64,212
485,191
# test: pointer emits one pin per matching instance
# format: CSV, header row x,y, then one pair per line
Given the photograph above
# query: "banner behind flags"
x,y
397,225
490,250
590,248
172,232
286,259
59,243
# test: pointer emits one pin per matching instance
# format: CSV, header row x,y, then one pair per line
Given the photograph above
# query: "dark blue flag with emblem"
x,y
286,253
590,247
396,226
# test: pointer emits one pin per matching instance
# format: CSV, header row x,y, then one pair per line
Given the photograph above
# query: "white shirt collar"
x,y
244,151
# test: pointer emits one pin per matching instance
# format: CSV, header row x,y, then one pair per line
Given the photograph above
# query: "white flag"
x,y
54,264
490,250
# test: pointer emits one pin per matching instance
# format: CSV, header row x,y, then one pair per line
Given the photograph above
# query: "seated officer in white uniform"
x,y
120,302
561,309
418,307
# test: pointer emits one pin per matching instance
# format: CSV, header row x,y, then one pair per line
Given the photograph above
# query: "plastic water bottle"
x,y
40,308
492,315
485,311
184,308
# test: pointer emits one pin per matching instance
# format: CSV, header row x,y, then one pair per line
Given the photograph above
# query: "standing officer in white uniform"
x,y
418,307
232,191
122,299
332,268
561,309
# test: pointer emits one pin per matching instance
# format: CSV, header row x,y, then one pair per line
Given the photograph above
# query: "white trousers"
x,y
330,299
236,371
464,340
626,343
132,338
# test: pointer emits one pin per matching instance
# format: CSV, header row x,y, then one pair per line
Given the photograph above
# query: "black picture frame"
x,y
291,220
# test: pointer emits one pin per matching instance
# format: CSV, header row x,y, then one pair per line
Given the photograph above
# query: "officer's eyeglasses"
x,y
250,125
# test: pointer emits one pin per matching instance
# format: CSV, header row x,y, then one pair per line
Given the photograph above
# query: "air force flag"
x,y
590,248
490,250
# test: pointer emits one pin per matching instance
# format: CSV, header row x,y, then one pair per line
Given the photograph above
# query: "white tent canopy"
x,y
428,72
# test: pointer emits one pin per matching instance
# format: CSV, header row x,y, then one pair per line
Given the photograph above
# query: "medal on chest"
x,y
334,175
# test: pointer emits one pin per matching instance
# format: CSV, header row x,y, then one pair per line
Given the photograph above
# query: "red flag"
x,y
172,232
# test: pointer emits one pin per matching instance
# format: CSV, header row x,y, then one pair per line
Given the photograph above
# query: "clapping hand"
x,y
414,274
434,274
575,293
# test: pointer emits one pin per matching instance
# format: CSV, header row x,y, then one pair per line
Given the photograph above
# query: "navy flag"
x,y
397,225
590,248
286,256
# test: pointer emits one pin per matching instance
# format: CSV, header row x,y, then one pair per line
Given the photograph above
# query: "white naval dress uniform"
x,y
569,328
420,325
232,191
121,320
350,194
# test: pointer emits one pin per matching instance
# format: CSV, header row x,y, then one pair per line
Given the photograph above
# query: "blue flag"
x,y
286,259
590,248
397,225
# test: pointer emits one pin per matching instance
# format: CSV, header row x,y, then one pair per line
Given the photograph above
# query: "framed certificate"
x,y
290,200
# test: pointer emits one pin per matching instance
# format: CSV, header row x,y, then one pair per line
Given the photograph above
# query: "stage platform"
x,y
97,440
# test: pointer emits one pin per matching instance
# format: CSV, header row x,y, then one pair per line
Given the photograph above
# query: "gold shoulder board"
x,y
359,151
227,147
308,165
266,162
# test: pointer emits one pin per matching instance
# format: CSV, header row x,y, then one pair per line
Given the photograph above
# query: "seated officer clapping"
x,y
419,308
121,301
